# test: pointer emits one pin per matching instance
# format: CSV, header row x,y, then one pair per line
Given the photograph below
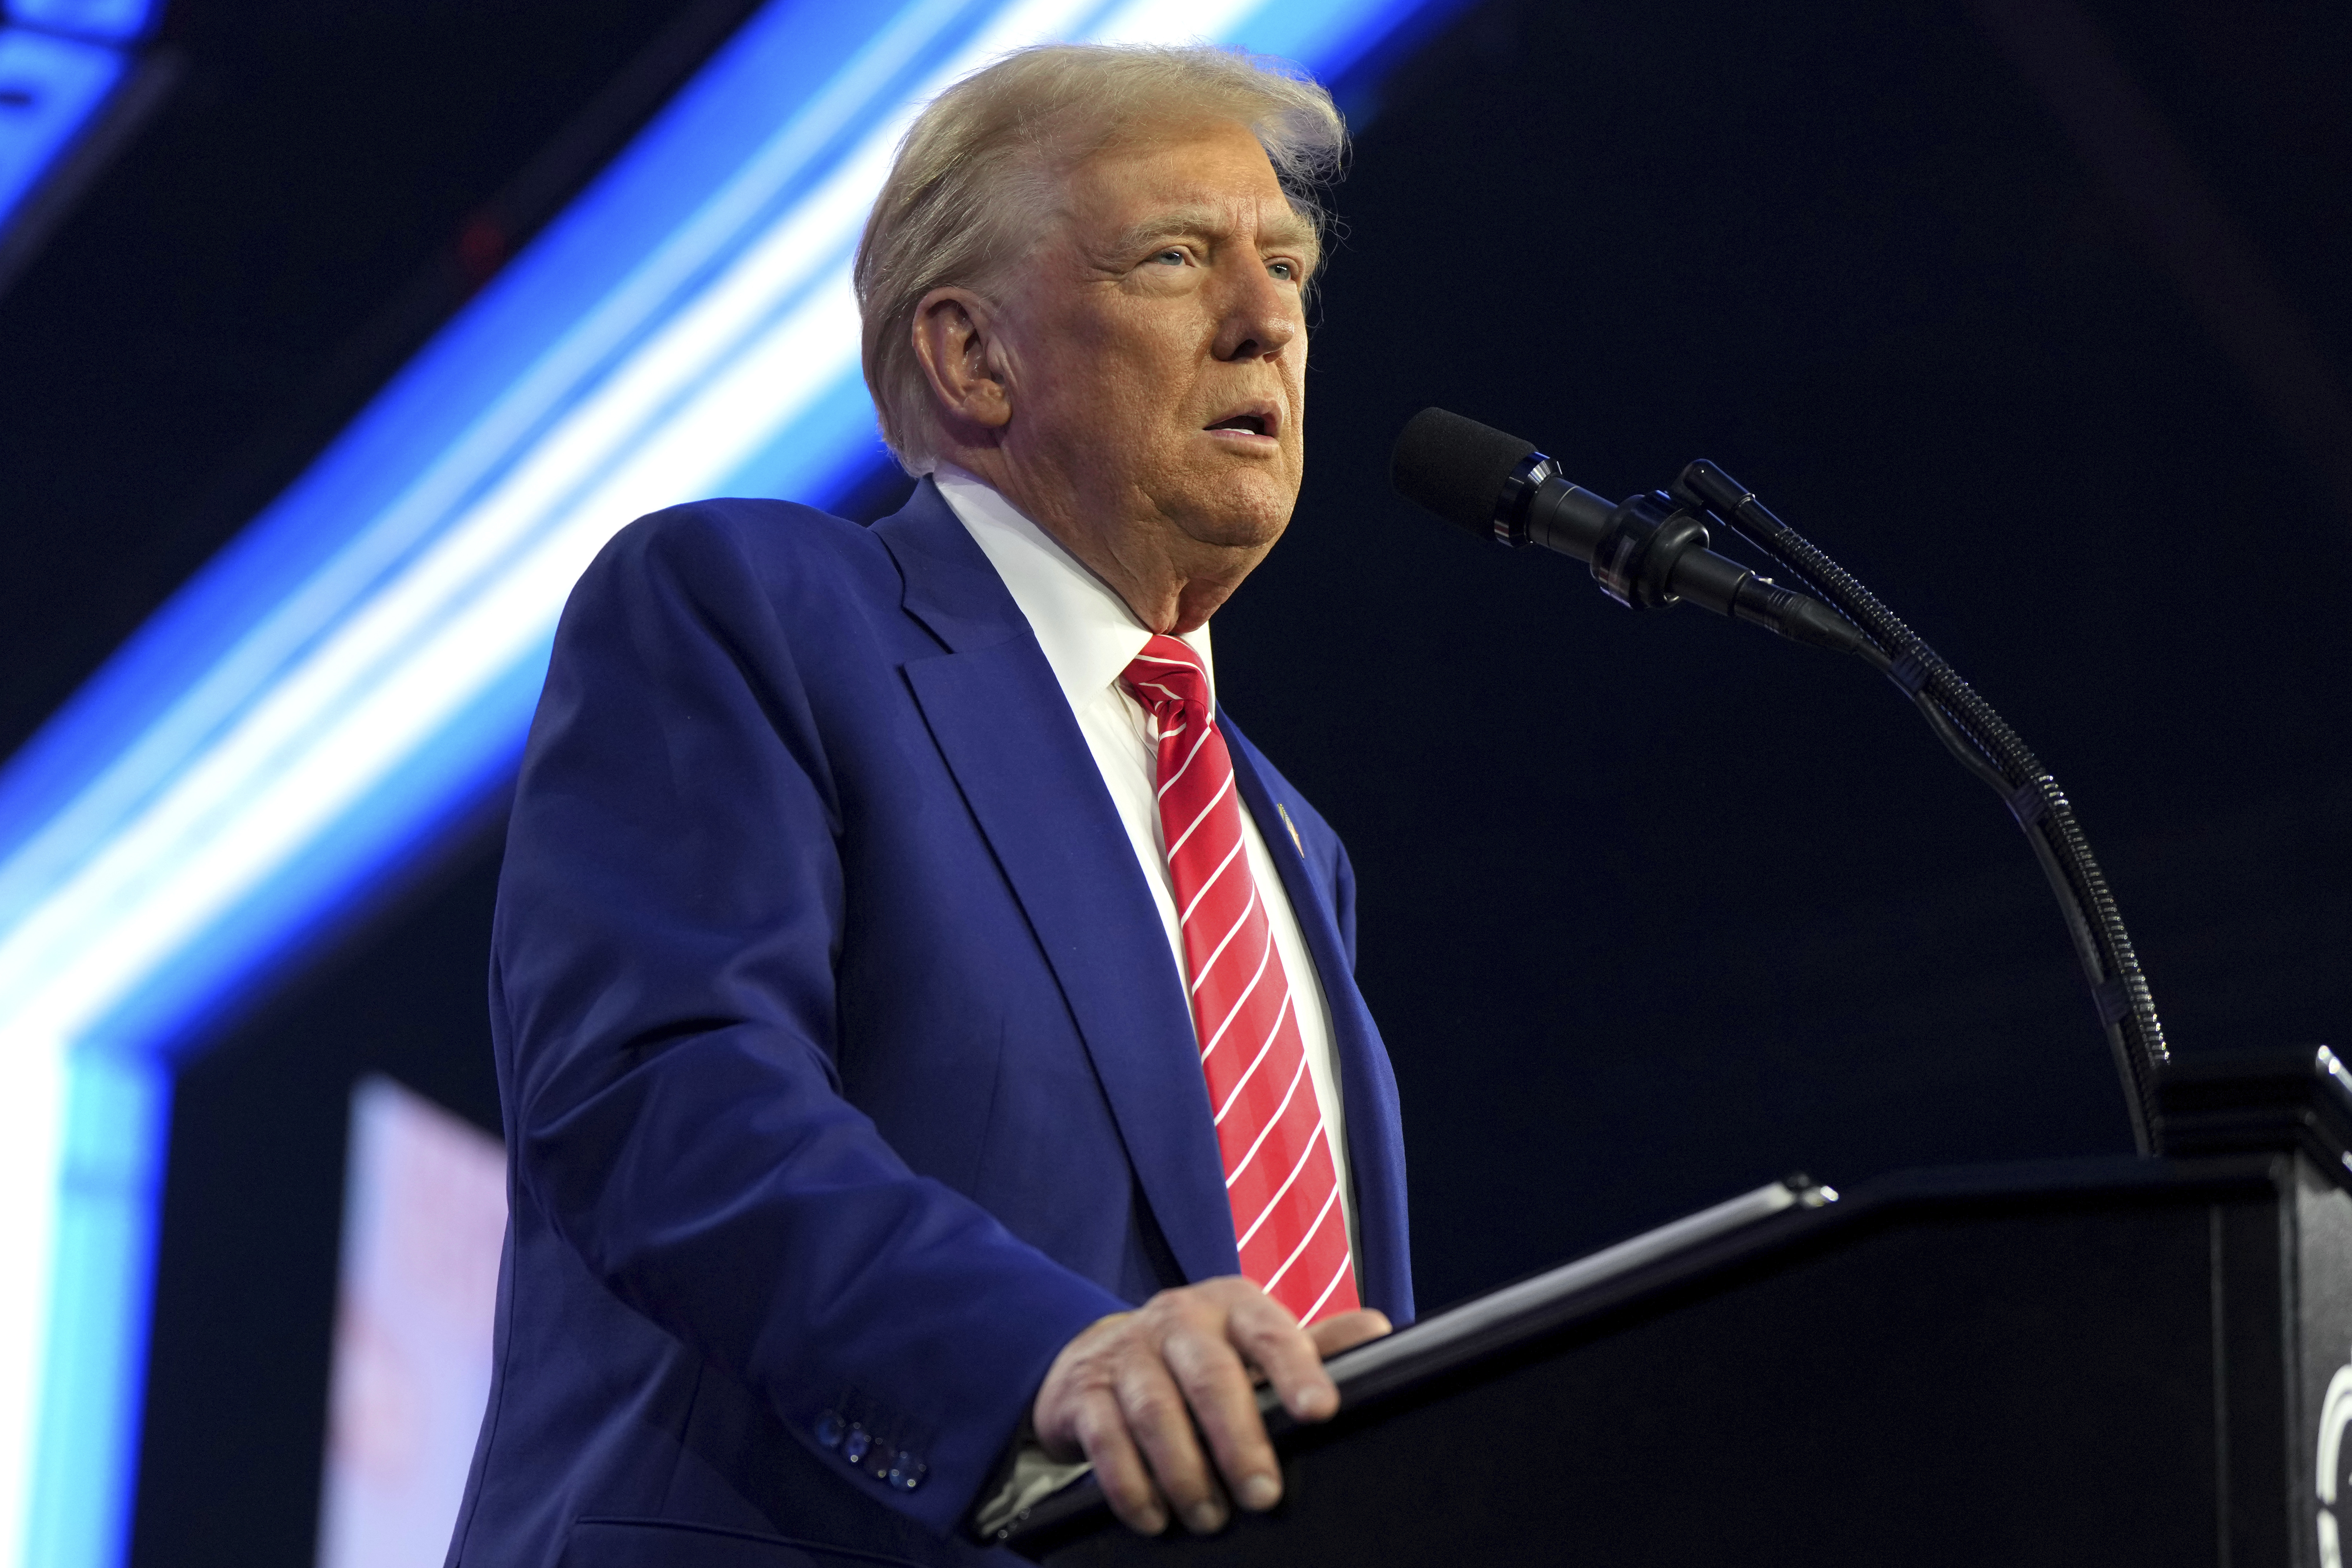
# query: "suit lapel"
x,y
1006,733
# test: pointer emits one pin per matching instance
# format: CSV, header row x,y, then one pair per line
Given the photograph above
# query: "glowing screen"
x,y
425,1214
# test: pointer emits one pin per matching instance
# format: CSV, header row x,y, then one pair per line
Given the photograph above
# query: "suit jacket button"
x,y
908,1472
877,1463
853,1446
830,1428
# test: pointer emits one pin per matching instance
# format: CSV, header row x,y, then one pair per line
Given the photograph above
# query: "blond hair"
x,y
973,185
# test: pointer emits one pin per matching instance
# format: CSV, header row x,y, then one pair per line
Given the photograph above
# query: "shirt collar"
x,y
1088,634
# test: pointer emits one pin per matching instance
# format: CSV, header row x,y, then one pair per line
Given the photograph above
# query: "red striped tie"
x,y
1284,1192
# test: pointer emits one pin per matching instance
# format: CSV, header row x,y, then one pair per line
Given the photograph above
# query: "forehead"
x,y
1185,174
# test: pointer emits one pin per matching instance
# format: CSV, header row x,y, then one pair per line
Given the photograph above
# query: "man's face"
x,y
1158,348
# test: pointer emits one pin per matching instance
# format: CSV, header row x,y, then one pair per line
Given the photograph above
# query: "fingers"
x,y
1275,1342
1217,1387
1347,1331
1160,1424
1075,1379
1076,1413
1101,1431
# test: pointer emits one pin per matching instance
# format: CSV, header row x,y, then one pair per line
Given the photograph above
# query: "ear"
x,y
957,343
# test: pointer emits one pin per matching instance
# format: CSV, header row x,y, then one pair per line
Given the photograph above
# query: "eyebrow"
x,y
1283,229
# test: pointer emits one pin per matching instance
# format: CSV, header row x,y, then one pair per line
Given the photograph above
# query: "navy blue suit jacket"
x,y
846,1073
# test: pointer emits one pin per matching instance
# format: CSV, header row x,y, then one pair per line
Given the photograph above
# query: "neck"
x,y
1170,580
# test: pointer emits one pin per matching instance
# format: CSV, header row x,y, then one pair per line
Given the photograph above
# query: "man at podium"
x,y
926,1025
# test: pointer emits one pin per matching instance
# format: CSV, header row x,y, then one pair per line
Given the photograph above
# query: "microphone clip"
x,y
1644,541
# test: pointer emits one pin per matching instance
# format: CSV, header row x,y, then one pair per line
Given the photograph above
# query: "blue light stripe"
x,y
107,21
49,87
118,1113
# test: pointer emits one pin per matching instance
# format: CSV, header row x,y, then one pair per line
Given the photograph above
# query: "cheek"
x,y
1139,365
1091,404
1152,387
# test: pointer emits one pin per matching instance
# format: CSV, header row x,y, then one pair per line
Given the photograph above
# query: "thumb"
x,y
1347,1330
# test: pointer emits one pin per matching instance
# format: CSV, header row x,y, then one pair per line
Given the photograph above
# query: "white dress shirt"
x,y
1090,637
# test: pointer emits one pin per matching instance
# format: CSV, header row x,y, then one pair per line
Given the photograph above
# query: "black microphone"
x,y
1647,551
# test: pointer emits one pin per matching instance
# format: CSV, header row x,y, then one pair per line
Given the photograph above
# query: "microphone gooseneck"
x,y
1650,551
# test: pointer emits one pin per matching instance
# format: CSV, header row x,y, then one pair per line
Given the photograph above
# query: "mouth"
x,y
1261,421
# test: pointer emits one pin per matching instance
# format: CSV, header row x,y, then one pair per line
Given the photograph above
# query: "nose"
x,y
1260,317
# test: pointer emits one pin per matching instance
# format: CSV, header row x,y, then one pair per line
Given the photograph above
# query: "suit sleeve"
x,y
669,919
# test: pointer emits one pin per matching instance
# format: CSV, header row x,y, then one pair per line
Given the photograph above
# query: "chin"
x,y
1240,512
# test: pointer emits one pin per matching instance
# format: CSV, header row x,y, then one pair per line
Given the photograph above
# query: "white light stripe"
x,y
1298,1077
1251,1071
1209,965
1203,816
1186,918
1320,1215
1158,21
1206,731
1265,957
1337,1275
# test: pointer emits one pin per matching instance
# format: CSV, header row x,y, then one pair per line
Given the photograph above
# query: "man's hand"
x,y
1126,1394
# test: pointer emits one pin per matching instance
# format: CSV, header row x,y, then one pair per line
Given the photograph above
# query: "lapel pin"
x,y
1283,813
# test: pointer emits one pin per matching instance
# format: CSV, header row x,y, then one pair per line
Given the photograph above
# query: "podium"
x,y
2142,1361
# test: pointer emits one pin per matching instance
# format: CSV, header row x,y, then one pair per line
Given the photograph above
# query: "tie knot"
x,y
1167,676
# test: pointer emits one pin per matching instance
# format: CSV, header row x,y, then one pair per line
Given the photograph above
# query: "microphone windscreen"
x,y
1455,466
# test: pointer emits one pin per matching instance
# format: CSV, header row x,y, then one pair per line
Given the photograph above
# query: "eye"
x,y
1287,271
1171,256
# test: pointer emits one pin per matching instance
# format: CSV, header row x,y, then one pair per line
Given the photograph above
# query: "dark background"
x,y
2031,315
